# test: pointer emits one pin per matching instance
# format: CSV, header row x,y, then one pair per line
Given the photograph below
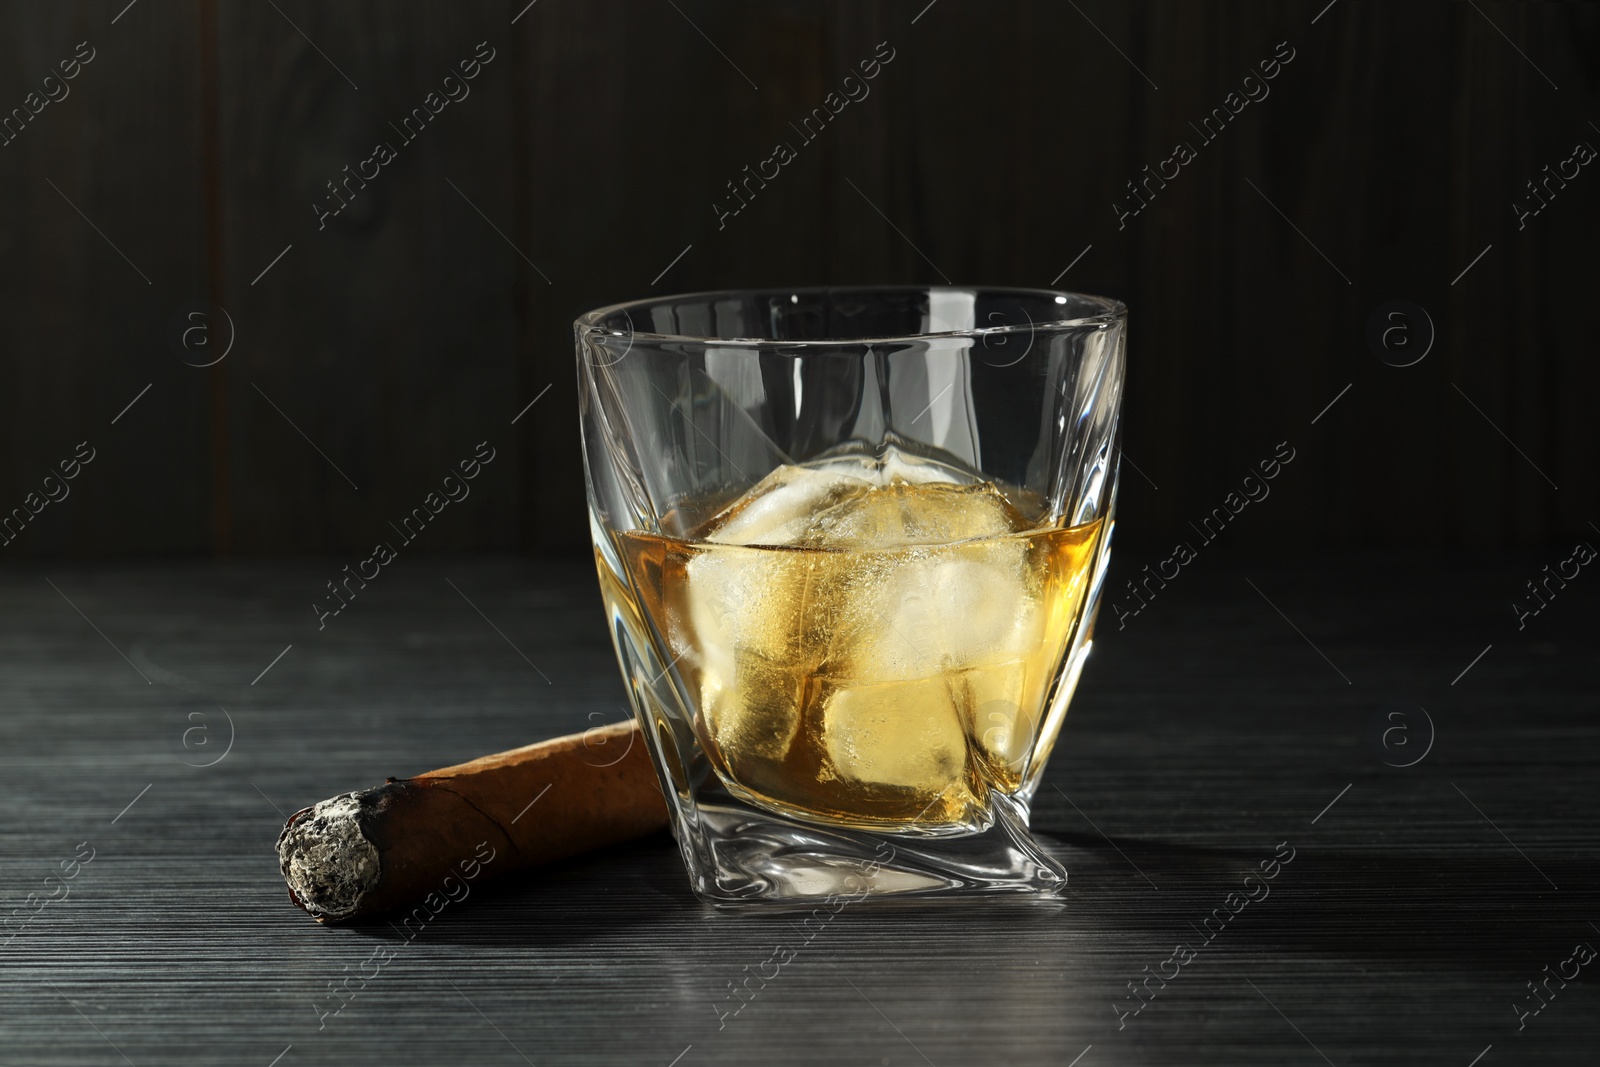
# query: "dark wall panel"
x,y
585,166
386,333
102,242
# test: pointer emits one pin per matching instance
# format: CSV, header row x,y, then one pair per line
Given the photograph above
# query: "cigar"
x,y
430,837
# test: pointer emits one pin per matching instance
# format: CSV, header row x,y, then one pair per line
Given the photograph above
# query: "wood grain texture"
x,y
99,247
1206,732
409,360
992,149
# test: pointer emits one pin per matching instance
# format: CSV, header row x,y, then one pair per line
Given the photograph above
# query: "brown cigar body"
x,y
361,854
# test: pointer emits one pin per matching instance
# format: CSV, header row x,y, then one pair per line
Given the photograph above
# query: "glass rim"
x,y
1112,311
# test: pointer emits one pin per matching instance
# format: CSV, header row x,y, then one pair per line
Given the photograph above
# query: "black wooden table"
x,y
1428,766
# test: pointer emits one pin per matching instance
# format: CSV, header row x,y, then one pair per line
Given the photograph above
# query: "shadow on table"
x,y
1482,906
1459,906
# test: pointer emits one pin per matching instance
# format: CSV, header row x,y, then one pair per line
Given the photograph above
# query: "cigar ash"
x,y
326,860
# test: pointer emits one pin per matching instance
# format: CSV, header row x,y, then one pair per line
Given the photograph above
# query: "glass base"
x,y
741,855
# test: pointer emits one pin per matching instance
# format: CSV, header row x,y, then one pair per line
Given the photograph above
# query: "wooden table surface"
x,y
148,716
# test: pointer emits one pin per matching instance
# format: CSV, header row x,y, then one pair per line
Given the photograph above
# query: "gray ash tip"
x,y
326,860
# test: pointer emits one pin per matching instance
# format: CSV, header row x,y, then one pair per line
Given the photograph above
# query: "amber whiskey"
x,y
870,642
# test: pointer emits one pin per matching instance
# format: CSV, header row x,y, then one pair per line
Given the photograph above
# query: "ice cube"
x,y
749,599
749,623
782,507
945,608
902,734
755,712
864,502
995,701
894,516
753,599
882,602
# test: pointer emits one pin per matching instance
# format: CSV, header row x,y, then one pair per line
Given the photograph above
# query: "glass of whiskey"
x,y
850,546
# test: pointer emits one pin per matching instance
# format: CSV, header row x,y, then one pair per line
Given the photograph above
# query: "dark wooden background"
x,y
421,320
1234,714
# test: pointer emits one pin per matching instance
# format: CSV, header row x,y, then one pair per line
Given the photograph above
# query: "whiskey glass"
x,y
850,544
